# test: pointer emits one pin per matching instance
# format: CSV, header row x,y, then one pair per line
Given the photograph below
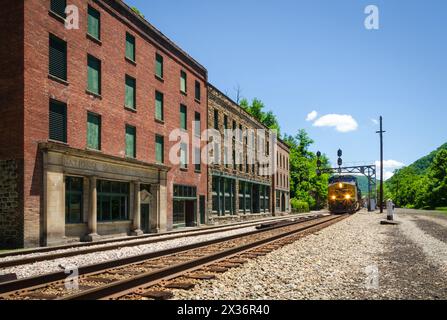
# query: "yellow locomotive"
x,y
344,195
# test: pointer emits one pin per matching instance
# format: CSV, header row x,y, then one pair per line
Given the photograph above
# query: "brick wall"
x,y
111,51
11,218
218,101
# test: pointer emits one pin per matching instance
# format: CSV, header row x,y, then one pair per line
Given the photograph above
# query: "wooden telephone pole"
x,y
381,132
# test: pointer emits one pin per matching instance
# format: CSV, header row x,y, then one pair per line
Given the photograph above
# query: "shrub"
x,y
299,206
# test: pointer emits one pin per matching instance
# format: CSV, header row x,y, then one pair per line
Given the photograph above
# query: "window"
x,y
94,23
112,201
58,58
58,121
197,91
184,156
183,86
73,199
94,75
159,149
58,7
159,66
93,131
159,101
216,119
130,47
131,147
131,90
197,159
215,194
183,117
225,122
198,124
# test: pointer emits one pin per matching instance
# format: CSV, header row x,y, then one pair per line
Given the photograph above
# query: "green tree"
x,y
256,109
437,181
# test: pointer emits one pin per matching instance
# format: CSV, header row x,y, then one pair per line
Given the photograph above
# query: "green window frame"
x,y
197,159
197,91
112,201
159,106
183,156
183,117
130,47
58,58
131,92
197,124
93,75
58,7
131,142
74,192
159,149
58,121
159,65
183,82
93,131
94,23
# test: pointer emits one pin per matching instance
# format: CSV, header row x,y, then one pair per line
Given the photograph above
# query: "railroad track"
x,y
135,277
66,251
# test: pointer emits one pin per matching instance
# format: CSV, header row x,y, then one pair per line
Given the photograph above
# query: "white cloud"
x,y
341,122
387,175
375,121
312,116
390,164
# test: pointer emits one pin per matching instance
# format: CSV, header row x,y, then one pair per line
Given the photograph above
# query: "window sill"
x,y
159,78
57,79
184,169
184,93
58,142
131,61
92,38
134,110
56,16
159,121
95,95
198,100
197,171
94,150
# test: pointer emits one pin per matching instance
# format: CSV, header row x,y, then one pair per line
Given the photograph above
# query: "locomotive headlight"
x,y
348,197
340,185
333,197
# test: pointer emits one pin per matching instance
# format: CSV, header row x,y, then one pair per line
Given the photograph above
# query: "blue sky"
x,y
298,56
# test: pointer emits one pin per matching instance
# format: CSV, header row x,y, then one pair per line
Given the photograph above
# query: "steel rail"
x,y
134,282
129,243
38,281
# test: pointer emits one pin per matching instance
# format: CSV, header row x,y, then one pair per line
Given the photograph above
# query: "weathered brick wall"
x,y
11,220
218,101
111,51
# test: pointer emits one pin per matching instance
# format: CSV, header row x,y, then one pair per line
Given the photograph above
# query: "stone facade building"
x,y
86,119
281,179
237,190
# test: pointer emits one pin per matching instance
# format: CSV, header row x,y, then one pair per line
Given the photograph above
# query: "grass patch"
x,y
441,209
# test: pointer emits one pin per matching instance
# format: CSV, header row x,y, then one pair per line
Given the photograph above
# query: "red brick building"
x,y
85,125
281,179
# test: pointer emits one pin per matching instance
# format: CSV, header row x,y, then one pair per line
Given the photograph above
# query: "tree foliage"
x,y
421,186
256,109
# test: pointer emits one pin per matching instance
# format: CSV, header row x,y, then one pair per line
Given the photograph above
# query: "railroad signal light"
x,y
340,153
318,154
340,162
318,172
319,163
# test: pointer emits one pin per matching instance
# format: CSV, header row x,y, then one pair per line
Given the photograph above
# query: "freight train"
x,y
344,194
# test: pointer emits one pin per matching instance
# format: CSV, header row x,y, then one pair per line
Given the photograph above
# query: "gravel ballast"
x,y
355,259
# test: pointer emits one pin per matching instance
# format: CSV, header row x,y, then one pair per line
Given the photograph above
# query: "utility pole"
x,y
381,132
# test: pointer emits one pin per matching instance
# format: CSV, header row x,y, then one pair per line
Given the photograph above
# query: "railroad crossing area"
x,y
299,257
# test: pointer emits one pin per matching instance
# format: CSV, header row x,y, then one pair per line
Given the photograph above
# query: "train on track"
x,y
344,194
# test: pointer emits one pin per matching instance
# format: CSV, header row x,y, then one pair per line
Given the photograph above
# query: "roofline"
x,y
241,109
155,34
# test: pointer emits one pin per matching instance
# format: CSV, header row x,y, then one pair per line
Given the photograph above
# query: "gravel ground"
x,y
49,266
355,259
